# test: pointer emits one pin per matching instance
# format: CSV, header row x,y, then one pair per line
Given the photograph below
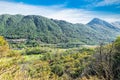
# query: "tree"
x,y
116,59
4,47
117,44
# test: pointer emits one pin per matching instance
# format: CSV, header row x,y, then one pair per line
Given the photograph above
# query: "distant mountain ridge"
x,y
103,23
33,27
117,24
104,28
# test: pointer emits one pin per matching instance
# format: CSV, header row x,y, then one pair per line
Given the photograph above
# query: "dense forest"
x,y
50,63
33,28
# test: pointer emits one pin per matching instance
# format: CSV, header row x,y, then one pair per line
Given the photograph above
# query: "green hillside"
x,y
38,28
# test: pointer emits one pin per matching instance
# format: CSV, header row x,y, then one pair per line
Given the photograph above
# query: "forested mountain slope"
x,y
46,30
104,28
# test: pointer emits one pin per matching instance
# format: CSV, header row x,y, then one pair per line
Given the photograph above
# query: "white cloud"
x,y
108,2
55,12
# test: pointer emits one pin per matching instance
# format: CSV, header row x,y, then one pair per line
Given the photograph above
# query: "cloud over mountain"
x,y
74,15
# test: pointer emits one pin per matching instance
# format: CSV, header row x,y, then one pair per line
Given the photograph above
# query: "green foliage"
x,y
51,63
116,58
46,30
3,42
106,62
117,43
57,69
44,63
32,43
4,47
36,50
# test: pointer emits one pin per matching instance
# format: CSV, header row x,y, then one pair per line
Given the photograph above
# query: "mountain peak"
x,y
96,21
102,25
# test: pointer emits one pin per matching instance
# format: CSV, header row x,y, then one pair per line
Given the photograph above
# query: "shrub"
x,y
35,50
57,69
4,47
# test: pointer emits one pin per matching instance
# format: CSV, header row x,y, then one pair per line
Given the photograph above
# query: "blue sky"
x,y
75,11
112,6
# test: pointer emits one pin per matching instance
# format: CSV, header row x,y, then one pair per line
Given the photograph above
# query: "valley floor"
x,y
52,63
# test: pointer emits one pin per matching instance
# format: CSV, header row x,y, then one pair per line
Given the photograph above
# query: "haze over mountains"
x,y
117,24
57,31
